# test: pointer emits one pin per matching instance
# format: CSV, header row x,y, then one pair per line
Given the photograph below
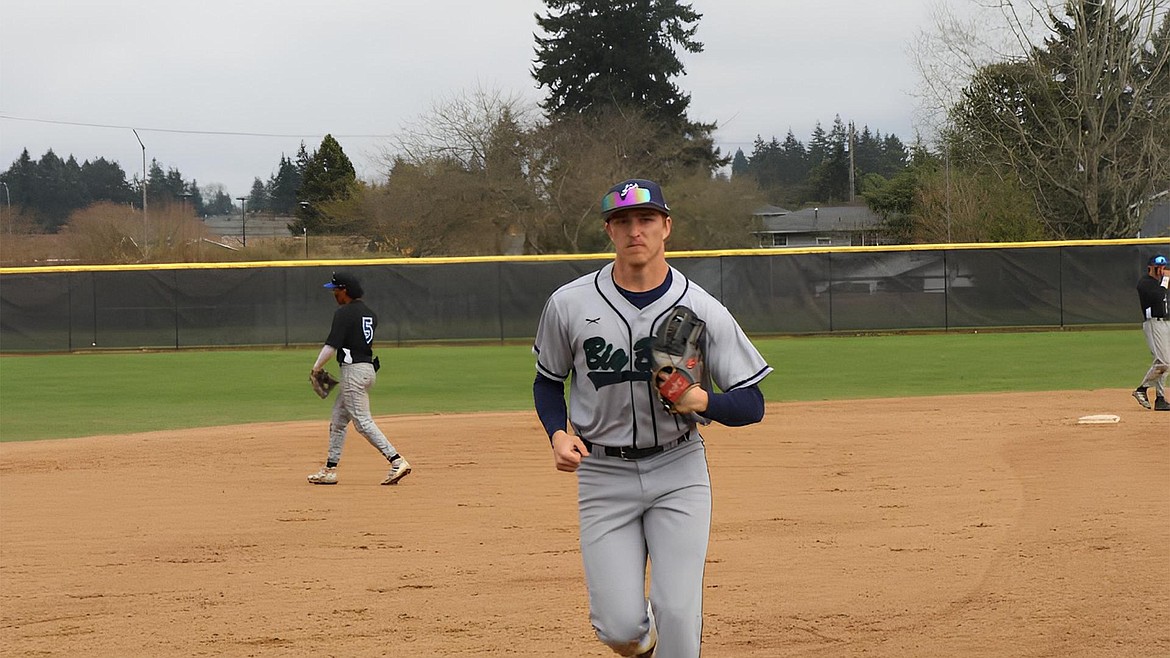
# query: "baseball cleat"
x,y
397,472
1161,404
326,475
1140,396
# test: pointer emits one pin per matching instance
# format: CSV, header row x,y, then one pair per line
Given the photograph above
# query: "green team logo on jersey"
x,y
607,364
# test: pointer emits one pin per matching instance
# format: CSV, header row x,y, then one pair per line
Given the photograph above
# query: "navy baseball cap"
x,y
346,281
1158,261
633,193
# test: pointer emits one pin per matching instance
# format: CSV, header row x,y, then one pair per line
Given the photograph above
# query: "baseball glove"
x,y
678,361
322,383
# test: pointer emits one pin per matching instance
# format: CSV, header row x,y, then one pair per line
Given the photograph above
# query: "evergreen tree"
x,y
175,186
793,159
894,156
258,197
105,181
830,178
818,146
156,184
57,192
197,204
283,186
739,164
302,162
600,53
218,201
765,162
867,152
328,180
602,56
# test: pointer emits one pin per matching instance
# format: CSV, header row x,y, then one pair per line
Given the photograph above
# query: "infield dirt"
x,y
989,525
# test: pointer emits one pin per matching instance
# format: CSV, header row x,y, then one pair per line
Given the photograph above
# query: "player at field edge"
x,y
351,339
643,489
1152,295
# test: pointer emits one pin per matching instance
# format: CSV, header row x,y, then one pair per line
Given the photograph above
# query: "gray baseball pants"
x,y
353,404
659,508
1157,334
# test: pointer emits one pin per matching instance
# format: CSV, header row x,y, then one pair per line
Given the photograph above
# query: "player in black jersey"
x,y
1152,291
351,339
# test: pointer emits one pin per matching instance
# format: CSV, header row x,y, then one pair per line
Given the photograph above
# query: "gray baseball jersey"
x,y
589,331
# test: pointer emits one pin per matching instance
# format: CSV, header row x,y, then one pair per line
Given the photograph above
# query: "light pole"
x,y
243,220
947,162
143,188
305,229
8,196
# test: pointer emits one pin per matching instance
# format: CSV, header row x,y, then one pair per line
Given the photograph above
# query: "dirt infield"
x,y
989,525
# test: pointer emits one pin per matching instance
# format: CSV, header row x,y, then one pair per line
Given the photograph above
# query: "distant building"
x,y
1157,221
828,226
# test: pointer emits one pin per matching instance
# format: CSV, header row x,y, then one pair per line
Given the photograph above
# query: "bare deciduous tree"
x,y
457,179
112,233
1078,116
479,172
972,207
713,213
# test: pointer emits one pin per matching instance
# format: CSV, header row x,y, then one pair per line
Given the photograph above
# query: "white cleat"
x,y
397,472
327,475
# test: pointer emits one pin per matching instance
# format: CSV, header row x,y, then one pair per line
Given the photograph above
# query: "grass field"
x,y
71,395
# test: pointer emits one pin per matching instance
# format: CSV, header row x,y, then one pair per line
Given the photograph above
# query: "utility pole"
x,y
243,220
8,195
851,165
143,189
947,163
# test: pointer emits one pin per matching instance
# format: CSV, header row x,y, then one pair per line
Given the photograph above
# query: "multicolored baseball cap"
x,y
1158,261
633,193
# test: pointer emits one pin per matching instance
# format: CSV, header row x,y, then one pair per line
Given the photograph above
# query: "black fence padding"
x,y
769,293
35,313
1004,288
885,291
1098,284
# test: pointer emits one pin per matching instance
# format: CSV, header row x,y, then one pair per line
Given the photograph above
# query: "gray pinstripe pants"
x,y
353,405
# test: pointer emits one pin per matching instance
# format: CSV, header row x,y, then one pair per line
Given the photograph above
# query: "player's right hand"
x,y
568,450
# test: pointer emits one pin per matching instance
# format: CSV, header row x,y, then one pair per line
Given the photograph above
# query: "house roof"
x,y
823,220
770,210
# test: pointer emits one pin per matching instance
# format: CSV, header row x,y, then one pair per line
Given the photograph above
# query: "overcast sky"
x,y
271,73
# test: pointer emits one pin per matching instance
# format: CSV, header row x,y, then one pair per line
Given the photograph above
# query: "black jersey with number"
x,y
1152,296
352,333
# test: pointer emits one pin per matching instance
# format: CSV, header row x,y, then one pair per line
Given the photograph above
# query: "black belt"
x,y
631,453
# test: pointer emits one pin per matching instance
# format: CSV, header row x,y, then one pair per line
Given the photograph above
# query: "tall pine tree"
x,y
602,56
328,179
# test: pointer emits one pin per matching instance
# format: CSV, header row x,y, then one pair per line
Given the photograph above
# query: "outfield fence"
x,y
770,291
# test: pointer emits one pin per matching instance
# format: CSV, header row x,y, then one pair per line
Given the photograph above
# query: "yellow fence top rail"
x,y
353,262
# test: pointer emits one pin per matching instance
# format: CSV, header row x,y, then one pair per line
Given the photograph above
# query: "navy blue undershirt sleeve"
x,y
743,406
549,397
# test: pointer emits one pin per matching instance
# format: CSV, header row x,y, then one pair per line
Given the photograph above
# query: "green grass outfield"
x,y
71,395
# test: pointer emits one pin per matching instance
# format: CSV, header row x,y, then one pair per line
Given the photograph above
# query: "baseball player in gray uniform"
x,y
643,489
